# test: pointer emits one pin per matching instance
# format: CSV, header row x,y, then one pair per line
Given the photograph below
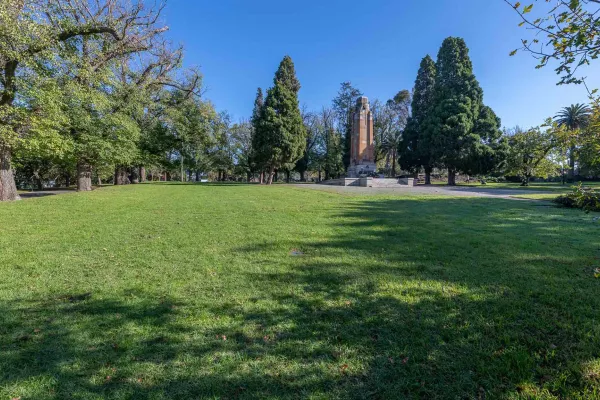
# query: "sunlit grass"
x,y
186,291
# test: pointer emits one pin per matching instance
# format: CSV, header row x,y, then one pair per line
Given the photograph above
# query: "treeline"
x,y
95,91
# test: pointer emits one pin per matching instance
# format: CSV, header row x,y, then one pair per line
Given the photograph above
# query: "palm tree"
x,y
573,118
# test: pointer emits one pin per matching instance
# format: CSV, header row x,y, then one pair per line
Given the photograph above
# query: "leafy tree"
x,y
529,151
389,123
327,154
573,118
589,152
241,144
465,134
415,146
30,34
311,125
343,106
572,35
281,128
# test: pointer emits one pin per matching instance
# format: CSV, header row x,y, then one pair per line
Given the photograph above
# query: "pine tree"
x,y
415,148
464,134
281,127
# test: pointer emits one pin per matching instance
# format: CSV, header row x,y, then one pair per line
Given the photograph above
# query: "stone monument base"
x,y
356,171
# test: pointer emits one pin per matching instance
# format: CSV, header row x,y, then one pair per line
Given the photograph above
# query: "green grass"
x,y
551,187
193,292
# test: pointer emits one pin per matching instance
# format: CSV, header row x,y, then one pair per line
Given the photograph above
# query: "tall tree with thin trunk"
x,y
574,118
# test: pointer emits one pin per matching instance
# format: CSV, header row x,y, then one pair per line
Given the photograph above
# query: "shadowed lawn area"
x,y
182,291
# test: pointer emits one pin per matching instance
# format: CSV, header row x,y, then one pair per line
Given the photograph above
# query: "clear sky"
x,y
377,45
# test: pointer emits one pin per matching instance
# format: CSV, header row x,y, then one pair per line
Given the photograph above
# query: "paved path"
x,y
431,190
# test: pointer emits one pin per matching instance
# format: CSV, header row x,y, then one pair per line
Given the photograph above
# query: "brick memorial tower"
x,y
362,151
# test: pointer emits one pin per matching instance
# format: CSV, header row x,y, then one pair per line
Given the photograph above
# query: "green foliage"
x,y
415,147
589,150
464,134
574,119
529,150
584,198
327,153
389,123
281,132
343,107
572,35
260,145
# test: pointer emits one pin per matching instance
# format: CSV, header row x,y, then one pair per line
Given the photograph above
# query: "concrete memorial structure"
x,y
362,154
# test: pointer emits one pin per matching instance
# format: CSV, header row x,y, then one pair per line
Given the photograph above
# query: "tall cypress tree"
x,y
464,134
258,154
415,149
281,126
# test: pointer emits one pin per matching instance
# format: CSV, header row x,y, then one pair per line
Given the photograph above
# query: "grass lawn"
x,y
206,292
551,187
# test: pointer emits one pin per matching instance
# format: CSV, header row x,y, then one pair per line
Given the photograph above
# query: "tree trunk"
x,y
271,176
38,181
428,175
182,174
197,175
8,187
262,177
274,176
287,176
133,175
248,177
319,175
572,163
84,177
393,164
451,177
142,174
121,177
302,176
99,180
67,180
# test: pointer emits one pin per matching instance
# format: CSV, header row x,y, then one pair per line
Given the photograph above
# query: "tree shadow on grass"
x,y
435,299
446,298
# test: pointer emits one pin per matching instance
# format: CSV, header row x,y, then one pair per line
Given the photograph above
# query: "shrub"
x,y
584,198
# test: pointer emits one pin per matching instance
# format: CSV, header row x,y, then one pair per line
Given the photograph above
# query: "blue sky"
x,y
377,45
